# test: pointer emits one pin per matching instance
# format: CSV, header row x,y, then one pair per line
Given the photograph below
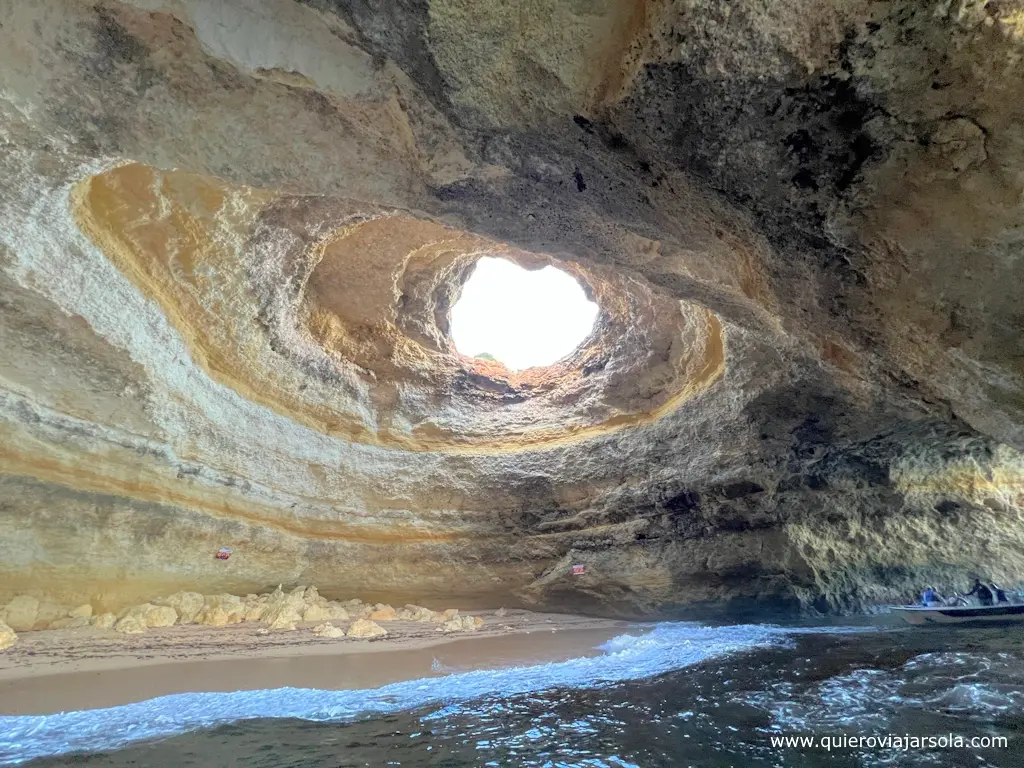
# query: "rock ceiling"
x,y
231,232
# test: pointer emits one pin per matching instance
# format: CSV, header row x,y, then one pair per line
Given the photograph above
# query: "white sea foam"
x,y
972,686
664,648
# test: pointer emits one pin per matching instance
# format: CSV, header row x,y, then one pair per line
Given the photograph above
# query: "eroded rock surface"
x,y
104,621
231,233
462,624
21,613
187,605
328,630
8,636
366,629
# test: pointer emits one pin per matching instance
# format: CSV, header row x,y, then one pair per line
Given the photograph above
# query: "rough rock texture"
x,y
8,637
315,613
104,621
231,232
161,616
383,613
277,609
328,630
146,616
21,613
221,610
281,610
188,605
81,612
130,625
462,624
417,613
365,629
334,610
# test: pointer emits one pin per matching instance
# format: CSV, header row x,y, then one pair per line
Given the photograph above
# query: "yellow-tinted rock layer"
x,y
230,242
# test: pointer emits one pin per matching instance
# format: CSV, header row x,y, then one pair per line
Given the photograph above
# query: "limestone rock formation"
x,y
186,604
278,610
161,616
130,625
139,618
221,610
283,619
255,606
104,621
416,613
8,637
81,612
357,609
315,613
231,233
462,624
325,612
383,612
328,631
335,611
283,611
48,612
214,616
21,613
365,629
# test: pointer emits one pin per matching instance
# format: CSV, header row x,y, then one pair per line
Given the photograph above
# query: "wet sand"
x,y
66,670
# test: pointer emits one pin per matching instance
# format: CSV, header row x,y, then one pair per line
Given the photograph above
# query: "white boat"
x,y
1000,613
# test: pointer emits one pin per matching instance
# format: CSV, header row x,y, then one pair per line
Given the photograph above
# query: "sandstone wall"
x,y
231,232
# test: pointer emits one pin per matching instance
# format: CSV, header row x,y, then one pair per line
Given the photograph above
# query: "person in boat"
x,y
982,591
999,592
930,598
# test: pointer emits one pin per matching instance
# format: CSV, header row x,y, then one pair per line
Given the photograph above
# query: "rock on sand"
x,y
328,630
364,628
7,636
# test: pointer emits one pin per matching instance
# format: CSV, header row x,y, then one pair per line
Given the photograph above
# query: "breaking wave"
x,y
665,647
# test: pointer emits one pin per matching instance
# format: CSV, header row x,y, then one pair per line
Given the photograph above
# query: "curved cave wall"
x,y
231,233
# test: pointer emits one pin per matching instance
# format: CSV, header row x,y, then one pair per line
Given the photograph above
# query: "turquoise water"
x,y
682,694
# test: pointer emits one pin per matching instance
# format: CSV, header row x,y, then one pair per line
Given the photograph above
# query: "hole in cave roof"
x,y
520,318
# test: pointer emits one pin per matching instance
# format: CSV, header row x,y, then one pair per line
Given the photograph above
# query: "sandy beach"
x,y
63,670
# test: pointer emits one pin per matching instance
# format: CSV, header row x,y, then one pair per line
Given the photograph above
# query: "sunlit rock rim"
x,y
335,314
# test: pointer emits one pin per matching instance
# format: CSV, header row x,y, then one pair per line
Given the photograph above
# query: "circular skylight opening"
x,y
519,318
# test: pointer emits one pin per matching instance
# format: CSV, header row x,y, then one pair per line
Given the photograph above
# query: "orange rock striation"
x,y
231,234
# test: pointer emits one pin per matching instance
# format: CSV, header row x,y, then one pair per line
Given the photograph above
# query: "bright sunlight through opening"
x,y
519,318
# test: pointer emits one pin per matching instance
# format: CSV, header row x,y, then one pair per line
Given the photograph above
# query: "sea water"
x,y
680,694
